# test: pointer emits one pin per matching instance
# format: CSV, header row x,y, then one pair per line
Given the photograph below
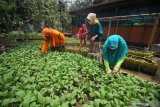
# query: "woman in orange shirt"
x,y
53,38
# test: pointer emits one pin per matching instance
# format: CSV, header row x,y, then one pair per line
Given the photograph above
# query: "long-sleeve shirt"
x,y
118,65
113,56
56,39
95,29
82,33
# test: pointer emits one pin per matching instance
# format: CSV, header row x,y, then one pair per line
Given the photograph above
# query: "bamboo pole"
x,y
157,76
109,27
153,32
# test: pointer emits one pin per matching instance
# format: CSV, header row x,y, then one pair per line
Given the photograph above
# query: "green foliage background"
x,y
15,14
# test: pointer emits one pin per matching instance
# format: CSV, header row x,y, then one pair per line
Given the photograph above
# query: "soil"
x,y
142,75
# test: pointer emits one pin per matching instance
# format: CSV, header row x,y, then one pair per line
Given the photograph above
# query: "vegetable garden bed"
x,y
137,61
73,49
140,64
57,79
145,54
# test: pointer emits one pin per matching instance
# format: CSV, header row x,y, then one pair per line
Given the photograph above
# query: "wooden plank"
x,y
153,32
157,76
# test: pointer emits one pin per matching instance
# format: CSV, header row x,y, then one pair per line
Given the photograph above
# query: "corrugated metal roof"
x,y
116,3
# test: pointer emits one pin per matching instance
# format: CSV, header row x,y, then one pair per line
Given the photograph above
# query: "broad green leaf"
x,y
41,80
46,79
28,99
54,103
76,79
4,93
20,95
7,85
5,79
97,102
104,102
65,104
63,98
48,99
25,103
96,93
103,93
121,103
126,99
10,75
1,81
86,105
109,96
33,98
33,104
51,89
6,101
41,99
73,94
24,80
91,103
108,105
69,96
35,92
43,90
73,102
0,101
90,89
116,102
13,100
31,79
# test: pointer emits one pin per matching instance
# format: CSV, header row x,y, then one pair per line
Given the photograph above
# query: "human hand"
x,y
115,71
93,38
77,36
62,46
109,71
40,48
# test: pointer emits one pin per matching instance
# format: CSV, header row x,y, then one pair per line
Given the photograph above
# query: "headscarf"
x,y
92,17
46,32
119,50
83,25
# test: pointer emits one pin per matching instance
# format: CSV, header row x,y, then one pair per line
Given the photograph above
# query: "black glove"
x,y
47,37
61,46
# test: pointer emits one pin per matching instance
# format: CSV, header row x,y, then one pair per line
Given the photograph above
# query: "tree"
x,y
64,17
53,12
7,13
77,4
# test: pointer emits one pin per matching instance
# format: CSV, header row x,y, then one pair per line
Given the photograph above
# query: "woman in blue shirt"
x,y
114,52
95,32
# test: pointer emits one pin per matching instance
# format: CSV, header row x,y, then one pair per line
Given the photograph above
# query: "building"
x,y
141,29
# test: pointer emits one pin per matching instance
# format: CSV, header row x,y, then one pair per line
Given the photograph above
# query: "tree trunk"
x,y
8,23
